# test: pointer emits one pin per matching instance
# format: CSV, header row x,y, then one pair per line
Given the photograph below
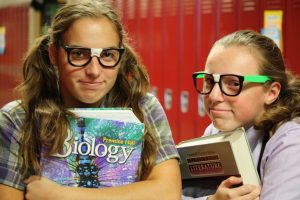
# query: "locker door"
x,y
156,48
187,63
206,36
274,5
130,22
14,19
227,21
249,15
143,31
170,67
291,35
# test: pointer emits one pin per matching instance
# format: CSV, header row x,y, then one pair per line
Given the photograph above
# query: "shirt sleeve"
x,y
156,118
280,164
10,163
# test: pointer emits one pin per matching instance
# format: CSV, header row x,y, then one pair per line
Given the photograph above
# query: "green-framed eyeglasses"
x,y
230,84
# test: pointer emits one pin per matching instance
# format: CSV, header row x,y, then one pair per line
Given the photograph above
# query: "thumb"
x,y
231,182
31,179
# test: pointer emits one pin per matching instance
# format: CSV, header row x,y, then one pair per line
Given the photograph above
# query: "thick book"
x,y
102,149
207,161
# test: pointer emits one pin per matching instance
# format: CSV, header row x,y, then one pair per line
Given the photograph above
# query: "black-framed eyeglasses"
x,y
81,56
230,84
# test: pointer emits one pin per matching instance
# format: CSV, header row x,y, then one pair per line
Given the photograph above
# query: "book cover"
x,y
207,161
102,150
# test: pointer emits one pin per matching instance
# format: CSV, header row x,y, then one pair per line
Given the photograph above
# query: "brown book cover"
x,y
207,161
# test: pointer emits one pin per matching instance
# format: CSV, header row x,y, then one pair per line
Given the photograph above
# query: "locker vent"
x,y
273,4
172,7
248,5
296,4
130,9
157,8
206,6
189,7
143,8
226,6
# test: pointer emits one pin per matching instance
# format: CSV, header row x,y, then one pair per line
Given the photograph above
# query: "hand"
x,y
227,191
41,188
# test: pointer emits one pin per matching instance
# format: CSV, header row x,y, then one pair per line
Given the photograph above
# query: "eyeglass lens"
x,y
229,84
82,56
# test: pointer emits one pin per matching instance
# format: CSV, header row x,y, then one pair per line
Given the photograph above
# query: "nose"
x,y
216,93
93,69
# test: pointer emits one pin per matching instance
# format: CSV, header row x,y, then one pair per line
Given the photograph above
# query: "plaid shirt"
x,y
12,116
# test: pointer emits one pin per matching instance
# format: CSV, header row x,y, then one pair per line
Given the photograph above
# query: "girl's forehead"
x,y
92,32
234,59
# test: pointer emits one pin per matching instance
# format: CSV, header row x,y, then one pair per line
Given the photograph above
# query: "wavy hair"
x,y
45,121
287,106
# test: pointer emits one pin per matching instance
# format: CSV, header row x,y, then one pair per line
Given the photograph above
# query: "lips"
x,y
219,111
91,84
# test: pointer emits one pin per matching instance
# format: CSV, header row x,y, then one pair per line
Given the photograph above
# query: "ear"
x,y
273,93
52,51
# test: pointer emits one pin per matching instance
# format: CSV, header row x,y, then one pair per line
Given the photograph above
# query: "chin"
x,y
225,126
90,103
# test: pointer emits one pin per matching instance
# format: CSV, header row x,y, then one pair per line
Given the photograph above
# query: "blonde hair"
x,y
287,106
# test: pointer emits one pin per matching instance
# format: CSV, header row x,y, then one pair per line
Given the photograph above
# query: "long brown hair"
x,y
272,64
45,121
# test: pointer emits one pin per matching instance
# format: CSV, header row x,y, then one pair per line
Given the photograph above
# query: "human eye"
x,y
231,83
109,54
79,53
208,83
208,80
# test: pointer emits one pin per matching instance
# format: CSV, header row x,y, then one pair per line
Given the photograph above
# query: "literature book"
x,y
207,161
102,149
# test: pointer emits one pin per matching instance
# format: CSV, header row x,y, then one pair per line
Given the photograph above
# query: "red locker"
x,y
130,22
206,36
274,5
291,35
227,17
156,47
187,63
170,68
249,15
290,29
15,21
143,31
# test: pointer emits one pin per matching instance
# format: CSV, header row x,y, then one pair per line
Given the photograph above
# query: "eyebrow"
x,y
79,46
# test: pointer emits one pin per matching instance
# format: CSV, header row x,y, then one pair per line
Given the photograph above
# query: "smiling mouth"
x,y
218,111
91,85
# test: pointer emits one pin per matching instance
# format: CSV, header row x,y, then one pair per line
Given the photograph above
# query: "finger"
x,y
231,181
31,179
249,192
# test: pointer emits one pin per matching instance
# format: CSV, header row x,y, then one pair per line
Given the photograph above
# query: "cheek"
x,y
111,76
206,101
248,107
67,74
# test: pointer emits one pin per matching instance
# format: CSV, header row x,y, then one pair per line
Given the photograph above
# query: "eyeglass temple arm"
x,y
257,79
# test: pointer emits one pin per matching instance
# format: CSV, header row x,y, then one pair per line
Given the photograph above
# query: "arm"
x,y
280,163
11,186
8,193
163,182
